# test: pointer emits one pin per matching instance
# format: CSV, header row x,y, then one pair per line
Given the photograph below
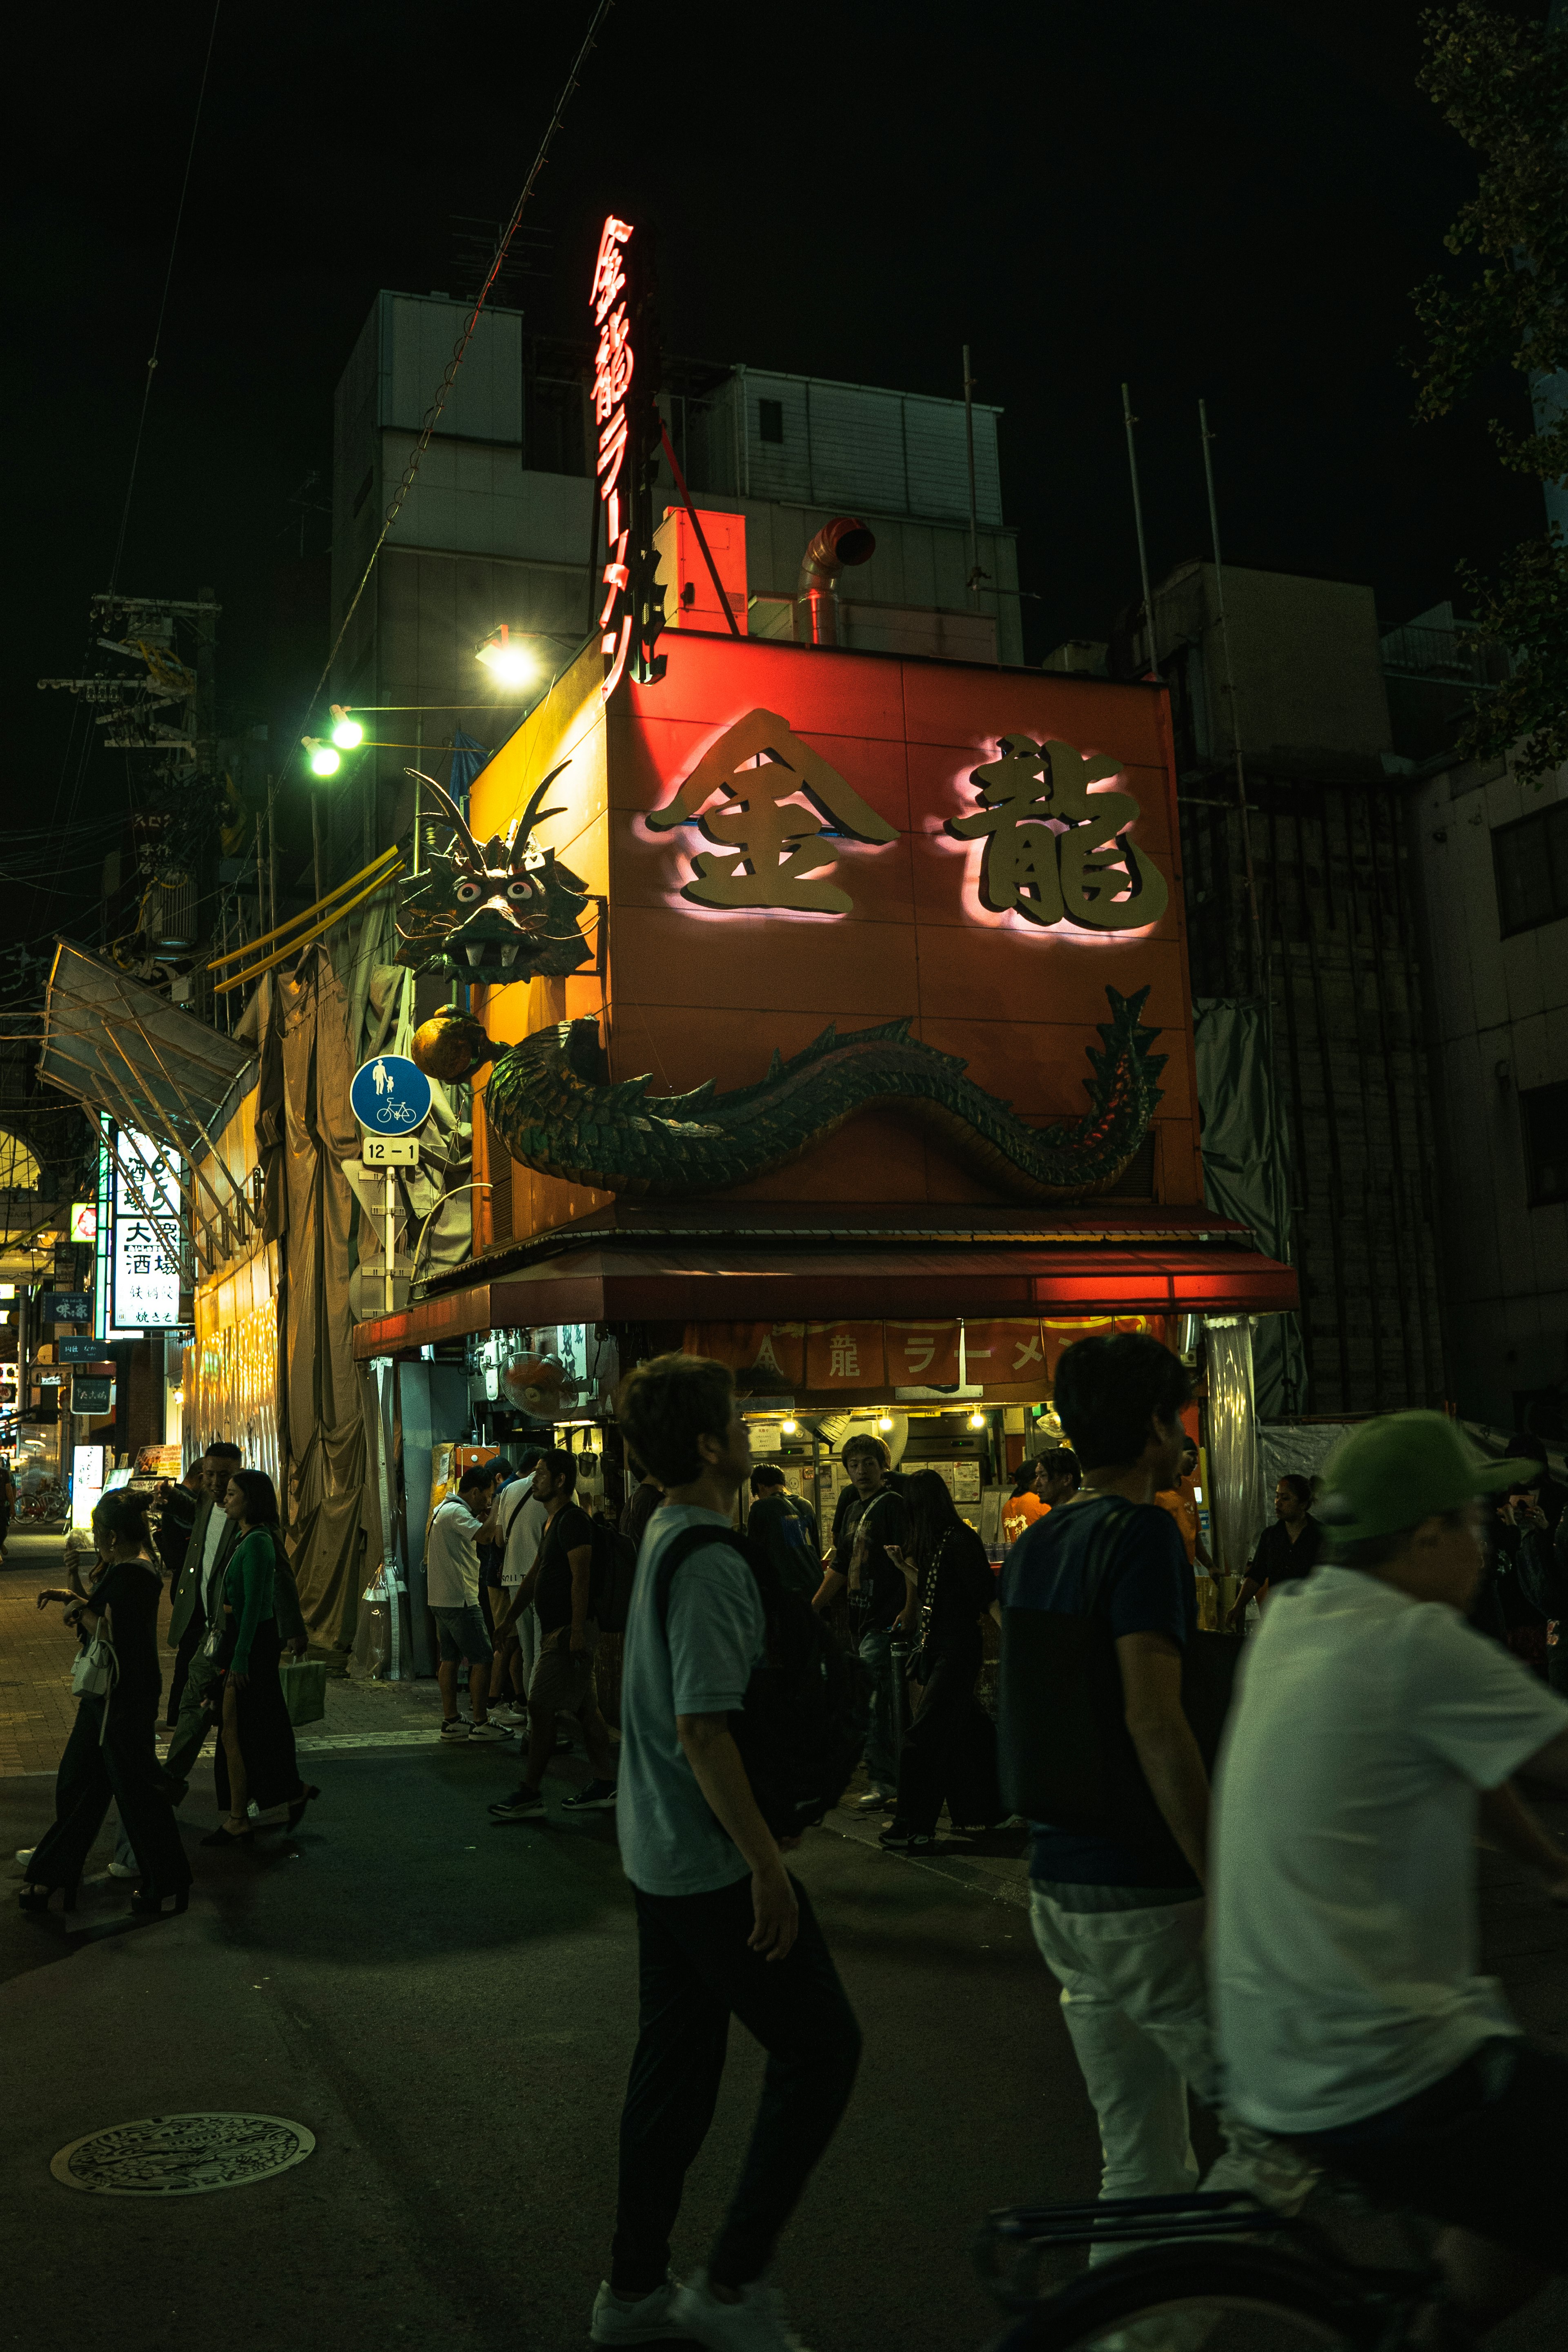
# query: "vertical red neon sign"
x,y
611,381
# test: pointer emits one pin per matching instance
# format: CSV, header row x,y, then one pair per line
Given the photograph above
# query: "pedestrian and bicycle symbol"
x,y
390,1096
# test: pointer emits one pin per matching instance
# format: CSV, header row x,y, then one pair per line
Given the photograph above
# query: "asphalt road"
x,y
450,2008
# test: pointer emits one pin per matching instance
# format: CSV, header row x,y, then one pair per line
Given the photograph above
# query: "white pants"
x,y
1135,2002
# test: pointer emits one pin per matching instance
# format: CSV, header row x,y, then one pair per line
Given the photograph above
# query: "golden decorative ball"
x,y
451,1045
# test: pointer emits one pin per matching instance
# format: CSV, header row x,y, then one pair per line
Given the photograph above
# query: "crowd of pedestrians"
x,y
1279,1920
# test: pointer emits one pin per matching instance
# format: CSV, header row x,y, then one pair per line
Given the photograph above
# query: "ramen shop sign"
x,y
613,366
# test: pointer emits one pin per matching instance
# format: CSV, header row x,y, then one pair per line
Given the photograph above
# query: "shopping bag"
x,y
304,1689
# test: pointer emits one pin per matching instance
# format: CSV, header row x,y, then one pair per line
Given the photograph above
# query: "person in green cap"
x,y
1374,1735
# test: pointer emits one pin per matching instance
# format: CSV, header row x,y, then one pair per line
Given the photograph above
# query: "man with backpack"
x,y
785,1527
1116,1883
562,1586
722,1928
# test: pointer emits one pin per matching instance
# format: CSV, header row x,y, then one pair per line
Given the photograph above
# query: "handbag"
x,y
97,1670
304,1689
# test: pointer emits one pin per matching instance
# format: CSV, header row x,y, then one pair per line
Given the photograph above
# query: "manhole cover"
x,y
182,2155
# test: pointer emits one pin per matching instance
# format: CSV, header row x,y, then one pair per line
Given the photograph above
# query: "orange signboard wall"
x,y
698,986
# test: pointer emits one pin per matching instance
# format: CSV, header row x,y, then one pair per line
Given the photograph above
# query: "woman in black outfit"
x,y
255,1763
110,1752
949,1749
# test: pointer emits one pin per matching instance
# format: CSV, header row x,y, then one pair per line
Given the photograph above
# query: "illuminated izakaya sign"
x,y
146,1235
613,367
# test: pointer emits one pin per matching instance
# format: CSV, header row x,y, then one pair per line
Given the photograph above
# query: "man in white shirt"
x,y
1375,1732
452,1589
519,1521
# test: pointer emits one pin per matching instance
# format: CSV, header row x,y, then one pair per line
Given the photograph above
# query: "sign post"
x,y
390,1098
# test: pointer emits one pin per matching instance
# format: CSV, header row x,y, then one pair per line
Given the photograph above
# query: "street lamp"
x,y
507,664
347,733
323,760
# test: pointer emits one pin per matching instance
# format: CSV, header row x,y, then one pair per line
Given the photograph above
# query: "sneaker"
x,y
510,1711
899,1840
123,1869
755,2323
455,1729
491,1731
599,1797
522,1805
879,1801
616,2321
25,1853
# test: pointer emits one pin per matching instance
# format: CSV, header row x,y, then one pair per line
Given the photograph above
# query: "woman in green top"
x,y
256,1761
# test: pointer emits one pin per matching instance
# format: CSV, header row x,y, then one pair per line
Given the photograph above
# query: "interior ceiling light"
x,y
787,1428
884,1421
507,664
976,1420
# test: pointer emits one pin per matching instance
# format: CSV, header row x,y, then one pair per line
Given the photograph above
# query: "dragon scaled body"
x,y
550,1101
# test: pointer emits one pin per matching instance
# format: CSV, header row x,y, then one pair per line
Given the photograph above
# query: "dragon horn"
x,y
452,813
533,814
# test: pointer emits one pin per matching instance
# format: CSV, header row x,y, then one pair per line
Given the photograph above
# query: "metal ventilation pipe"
x,y
842,541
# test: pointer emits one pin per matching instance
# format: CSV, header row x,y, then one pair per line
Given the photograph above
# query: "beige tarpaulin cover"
x,y
332,1514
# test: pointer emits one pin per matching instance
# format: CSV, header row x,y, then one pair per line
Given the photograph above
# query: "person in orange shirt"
x,y
1178,1501
1041,1484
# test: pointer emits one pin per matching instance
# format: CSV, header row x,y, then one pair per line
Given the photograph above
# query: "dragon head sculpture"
x,y
496,911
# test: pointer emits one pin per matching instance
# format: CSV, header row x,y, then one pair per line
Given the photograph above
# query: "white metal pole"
x,y
390,1213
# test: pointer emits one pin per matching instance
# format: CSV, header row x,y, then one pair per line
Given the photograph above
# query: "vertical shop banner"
x,y
845,1355
146,1223
923,1355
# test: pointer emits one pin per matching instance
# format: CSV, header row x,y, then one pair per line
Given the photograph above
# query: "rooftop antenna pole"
x,y
1128,420
1206,436
974,507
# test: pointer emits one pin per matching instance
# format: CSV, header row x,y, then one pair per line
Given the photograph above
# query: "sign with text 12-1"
x,y
390,1096
146,1293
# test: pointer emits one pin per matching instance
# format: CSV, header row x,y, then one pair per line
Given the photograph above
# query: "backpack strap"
x,y
681,1548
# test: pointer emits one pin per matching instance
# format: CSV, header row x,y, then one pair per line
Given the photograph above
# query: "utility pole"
x,y
1129,421
1206,436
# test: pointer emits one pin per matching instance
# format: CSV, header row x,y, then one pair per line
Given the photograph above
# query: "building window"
x,y
1545,1112
770,420
1532,860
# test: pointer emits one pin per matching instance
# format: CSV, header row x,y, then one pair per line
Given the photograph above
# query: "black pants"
x,y
190,1640
696,1972
122,1768
1482,2148
938,1763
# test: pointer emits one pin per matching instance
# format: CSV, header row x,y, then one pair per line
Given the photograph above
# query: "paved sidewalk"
x,y
37,1708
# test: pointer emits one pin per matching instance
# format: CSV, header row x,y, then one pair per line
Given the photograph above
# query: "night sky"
x,y
1231,200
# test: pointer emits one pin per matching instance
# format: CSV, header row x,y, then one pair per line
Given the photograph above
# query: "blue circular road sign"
x,y
390,1096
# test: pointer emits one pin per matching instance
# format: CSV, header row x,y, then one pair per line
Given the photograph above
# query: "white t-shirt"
x,y
218,1526
522,1525
1342,1903
452,1557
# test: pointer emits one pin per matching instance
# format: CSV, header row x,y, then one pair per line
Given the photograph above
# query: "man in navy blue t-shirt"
x,y
1120,1920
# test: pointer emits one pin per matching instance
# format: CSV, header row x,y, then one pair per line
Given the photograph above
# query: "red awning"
x,y
715,1283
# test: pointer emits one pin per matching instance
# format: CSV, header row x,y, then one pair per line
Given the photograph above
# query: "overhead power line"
x,y
432,413
163,303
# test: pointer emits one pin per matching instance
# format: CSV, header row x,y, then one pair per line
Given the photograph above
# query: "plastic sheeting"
x,y
1246,1169
1235,1492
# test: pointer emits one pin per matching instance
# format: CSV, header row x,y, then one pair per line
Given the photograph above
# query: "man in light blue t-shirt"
x,y
722,1928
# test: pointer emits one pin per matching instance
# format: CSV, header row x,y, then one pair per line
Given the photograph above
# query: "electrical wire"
x,y
164,304
432,413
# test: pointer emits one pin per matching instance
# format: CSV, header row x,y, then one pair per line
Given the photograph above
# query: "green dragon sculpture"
x,y
552,1104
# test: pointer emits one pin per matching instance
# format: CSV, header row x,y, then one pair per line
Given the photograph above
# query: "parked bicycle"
x,y
1227,2273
